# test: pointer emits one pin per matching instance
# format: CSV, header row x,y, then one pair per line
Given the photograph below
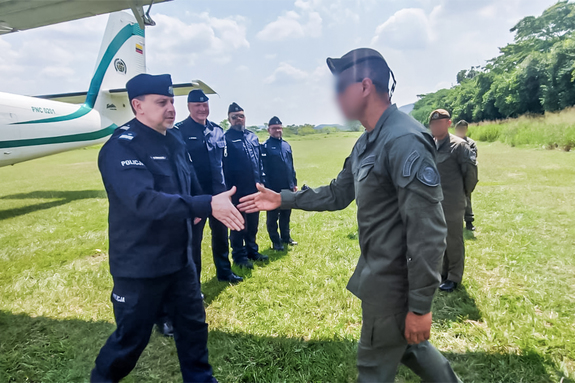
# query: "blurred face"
x,y
461,131
155,111
199,111
237,120
351,95
276,131
440,128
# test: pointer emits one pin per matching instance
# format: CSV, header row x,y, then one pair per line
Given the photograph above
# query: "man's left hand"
x,y
417,327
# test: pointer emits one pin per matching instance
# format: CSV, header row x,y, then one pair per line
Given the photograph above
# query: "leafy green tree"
x,y
225,124
534,74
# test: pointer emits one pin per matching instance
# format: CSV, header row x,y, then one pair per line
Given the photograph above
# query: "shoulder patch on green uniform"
x,y
409,163
428,175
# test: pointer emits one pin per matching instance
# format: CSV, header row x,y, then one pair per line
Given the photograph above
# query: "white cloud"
x,y
287,72
203,36
293,24
408,28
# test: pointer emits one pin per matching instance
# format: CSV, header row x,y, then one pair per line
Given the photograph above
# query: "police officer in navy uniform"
x,y
147,176
206,145
243,168
280,175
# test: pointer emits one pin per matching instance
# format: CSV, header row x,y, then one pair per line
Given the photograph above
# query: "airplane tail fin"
x,y
122,56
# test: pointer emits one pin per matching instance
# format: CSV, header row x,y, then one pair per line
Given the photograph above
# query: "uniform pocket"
x,y
364,171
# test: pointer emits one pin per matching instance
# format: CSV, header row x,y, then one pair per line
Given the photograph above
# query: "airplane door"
x,y
9,134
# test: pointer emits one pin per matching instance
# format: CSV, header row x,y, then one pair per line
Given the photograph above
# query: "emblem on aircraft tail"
x,y
120,66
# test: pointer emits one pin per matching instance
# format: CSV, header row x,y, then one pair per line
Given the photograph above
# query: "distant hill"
x,y
407,108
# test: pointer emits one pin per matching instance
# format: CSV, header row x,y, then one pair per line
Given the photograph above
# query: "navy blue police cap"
x,y
364,60
144,83
197,95
235,108
275,121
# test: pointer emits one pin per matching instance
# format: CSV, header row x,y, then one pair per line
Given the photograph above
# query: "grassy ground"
x,y
292,320
551,131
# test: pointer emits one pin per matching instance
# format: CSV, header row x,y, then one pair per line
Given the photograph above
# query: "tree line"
x,y
532,75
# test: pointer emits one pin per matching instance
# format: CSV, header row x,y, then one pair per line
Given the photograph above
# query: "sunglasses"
x,y
238,117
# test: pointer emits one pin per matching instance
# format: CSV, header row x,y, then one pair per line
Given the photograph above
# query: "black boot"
x,y
469,226
258,257
232,278
448,286
165,328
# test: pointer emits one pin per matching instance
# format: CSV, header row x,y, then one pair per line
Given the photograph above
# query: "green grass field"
x,y
292,320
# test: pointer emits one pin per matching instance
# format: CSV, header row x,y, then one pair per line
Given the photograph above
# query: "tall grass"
x,y
552,130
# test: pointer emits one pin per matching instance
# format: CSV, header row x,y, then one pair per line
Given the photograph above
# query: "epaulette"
x,y
127,135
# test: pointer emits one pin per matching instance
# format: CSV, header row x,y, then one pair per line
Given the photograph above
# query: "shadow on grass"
x,y
457,306
56,350
213,288
62,198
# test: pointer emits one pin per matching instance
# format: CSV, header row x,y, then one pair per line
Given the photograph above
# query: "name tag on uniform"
x,y
237,140
131,163
192,138
159,157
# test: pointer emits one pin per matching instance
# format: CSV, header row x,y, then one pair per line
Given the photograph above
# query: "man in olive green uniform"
x,y
461,129
458,169
392,176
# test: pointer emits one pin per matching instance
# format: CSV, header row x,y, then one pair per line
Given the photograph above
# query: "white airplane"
x,y
33,127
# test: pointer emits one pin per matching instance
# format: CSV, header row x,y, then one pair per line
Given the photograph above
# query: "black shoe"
x,y
258,257
448,286
290,242
469,226
244,264
232,278
278,247
165,328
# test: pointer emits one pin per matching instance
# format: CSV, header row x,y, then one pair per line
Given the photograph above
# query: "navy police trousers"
x,y
137,302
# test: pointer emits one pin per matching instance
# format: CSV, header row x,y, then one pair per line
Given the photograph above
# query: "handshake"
x,y
224,211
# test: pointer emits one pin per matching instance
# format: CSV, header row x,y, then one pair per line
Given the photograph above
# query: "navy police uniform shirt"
x,y
277,159
206,145
148,180
242,162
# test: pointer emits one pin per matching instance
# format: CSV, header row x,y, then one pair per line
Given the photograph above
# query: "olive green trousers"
x,y
454,258
382,347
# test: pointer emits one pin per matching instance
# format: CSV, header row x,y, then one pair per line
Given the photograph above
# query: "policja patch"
x,y
428,175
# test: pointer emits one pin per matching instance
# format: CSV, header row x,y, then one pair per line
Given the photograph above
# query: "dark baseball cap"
x,y
366,59
439,114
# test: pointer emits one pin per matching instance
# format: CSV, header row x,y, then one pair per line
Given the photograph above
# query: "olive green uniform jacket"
x,y
392,176
457,165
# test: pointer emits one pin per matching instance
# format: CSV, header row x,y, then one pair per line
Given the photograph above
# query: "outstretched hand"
x,y
224,211
264,199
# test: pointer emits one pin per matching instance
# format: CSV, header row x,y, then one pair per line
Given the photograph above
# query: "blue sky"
x,y
269,55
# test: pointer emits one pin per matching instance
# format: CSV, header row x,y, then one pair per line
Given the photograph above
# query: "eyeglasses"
x,y
238,117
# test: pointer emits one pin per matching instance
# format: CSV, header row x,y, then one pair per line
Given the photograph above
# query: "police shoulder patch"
x,y
428,175
408,165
